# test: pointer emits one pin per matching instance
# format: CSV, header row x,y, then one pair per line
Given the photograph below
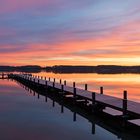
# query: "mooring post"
x,y
124,103
85,86
101,90
65,82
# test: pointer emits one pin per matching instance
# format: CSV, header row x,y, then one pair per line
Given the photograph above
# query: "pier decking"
x,y
3,76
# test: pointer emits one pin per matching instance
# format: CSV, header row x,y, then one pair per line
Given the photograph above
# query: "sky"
x,y
69,32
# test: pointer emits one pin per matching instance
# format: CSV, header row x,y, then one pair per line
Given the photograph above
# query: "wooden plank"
x,y
112,112
135,122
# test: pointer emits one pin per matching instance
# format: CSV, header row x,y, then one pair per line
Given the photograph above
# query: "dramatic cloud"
x,y
48,32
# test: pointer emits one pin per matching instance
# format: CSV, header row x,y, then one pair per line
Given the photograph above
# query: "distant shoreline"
x,y
100,69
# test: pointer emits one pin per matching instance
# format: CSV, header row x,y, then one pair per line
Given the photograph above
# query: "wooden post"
x,y
45,78
93,128
62,88
62,108
74,95
60,81
46,83
101,90
73,84
41,77
85,86
54,80
53,84
38,77
65,82
49,79
93,98
124,102
53,103
74,116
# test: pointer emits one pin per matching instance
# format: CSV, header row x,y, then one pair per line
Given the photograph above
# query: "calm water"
x,y
24,117
114,84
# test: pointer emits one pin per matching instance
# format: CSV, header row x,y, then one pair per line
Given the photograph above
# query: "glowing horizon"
x,y
62,32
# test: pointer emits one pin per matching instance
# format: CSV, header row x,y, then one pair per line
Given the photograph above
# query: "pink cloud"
x,y
17,5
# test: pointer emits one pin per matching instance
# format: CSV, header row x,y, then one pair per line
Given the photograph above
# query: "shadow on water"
x,y
95,121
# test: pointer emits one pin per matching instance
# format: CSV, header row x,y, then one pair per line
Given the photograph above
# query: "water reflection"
x,y
24,117
114,84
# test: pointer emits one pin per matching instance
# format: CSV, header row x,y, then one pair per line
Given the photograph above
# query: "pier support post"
x,y
53,84
74,116
124,103
34,93
73,84
65,82
85,86
74,95
93,128
62,88
93,98
101,90
46,91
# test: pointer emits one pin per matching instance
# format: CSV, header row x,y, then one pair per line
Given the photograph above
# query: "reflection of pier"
x,y
3,76
113,111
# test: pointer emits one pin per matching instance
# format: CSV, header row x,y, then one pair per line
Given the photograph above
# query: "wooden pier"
x,y
96,103
3,76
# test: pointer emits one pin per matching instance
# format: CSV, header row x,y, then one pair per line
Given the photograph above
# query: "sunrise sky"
x,y
69,32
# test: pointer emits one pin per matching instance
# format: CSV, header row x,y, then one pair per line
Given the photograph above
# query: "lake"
x,y
24,116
